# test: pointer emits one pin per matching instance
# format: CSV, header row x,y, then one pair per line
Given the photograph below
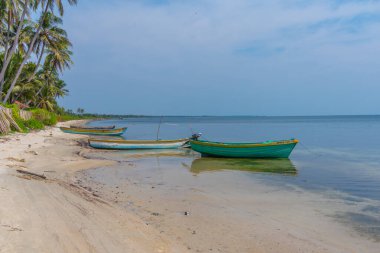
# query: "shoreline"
x,y
55,215
67,212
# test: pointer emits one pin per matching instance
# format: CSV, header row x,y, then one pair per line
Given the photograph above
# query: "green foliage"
x,y
59,110
45,117
52,120
16,117
41,40
69,116
34,124
40,118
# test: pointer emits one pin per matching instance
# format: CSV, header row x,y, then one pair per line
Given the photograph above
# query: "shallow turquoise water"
x,y
340,153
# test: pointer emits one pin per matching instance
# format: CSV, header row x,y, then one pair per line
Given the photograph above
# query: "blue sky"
x,y
219,57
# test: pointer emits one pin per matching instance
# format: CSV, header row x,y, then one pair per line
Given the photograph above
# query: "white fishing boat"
x,y
137,144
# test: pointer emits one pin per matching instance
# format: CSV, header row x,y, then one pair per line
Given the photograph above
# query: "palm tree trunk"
x,y
40,90
34,73
6,47
9,24
30,49
38,63
14,46
37,94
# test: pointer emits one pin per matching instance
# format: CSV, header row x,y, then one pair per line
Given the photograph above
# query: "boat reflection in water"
x,y
211,164
127,155
140,153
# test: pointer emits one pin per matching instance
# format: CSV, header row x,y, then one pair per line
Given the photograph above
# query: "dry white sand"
x,y
59,215
55,216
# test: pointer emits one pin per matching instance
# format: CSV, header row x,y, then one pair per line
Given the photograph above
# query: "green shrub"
x,y
66,117
44,116
39,114
71,116
16,117
51,120
40,118
34,124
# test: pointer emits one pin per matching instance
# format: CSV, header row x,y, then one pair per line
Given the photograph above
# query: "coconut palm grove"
x,y
34,52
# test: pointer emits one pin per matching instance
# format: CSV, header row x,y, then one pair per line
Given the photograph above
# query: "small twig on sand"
x,y
31,174
16,159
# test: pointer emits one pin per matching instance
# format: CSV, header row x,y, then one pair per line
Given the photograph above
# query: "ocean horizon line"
x,y
231,116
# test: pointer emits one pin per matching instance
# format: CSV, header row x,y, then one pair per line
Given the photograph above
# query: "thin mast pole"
x,y
159,126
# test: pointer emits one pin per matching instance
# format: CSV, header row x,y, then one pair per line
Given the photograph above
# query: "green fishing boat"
x,y
267,149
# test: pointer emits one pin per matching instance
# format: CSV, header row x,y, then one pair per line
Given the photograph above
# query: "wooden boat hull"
x,y
106,132
92,127
269,149
137,144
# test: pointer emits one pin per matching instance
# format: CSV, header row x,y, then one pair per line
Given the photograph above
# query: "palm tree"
x,y
53,88
26,88
56,61
51,36
46,5
59,58
11,9
8,17
12,68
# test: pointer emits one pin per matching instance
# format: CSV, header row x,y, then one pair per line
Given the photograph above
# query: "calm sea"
x,y
338,157
340,153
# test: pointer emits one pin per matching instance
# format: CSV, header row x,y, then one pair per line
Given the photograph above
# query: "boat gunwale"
x,y
113,127
138,141
84,130
242,145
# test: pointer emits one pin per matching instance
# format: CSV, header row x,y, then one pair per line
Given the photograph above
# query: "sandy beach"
x,y
70,212
217,126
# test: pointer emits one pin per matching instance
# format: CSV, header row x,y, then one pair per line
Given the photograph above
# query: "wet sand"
x,y
143,203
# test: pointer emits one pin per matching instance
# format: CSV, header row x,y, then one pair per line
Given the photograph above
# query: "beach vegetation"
x,y
17,118
34,124
44,116
34,51
32,119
